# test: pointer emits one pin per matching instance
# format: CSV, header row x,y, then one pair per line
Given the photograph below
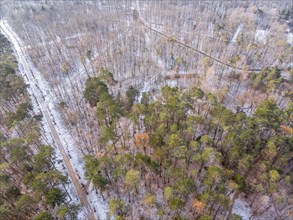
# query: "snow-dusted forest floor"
x,y
147,55
55,133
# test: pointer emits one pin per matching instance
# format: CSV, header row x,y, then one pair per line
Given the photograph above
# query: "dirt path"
x,y
41,96
79,190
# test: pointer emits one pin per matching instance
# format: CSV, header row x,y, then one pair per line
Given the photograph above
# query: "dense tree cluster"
x,y
267,79
186,156
30,186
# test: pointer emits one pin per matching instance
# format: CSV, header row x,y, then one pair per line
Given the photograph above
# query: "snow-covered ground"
x,y
289,38
43,100
261,36
241,208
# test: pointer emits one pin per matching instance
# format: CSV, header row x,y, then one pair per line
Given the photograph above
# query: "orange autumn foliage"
x,y
198,206
286,130
142,140
100,154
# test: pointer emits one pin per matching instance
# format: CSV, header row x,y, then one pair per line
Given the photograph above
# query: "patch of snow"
x,y
261,36
241,208
290,38
285,75
172,83
238,31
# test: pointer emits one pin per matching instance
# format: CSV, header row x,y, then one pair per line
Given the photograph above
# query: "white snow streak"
x,y
238,31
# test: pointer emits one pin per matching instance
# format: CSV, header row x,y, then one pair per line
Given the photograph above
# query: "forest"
x,y
146,110
186,156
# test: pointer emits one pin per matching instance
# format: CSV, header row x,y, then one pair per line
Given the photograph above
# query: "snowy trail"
x,y
43,100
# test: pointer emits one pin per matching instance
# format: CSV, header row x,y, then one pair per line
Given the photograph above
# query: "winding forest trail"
x,y
41,96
